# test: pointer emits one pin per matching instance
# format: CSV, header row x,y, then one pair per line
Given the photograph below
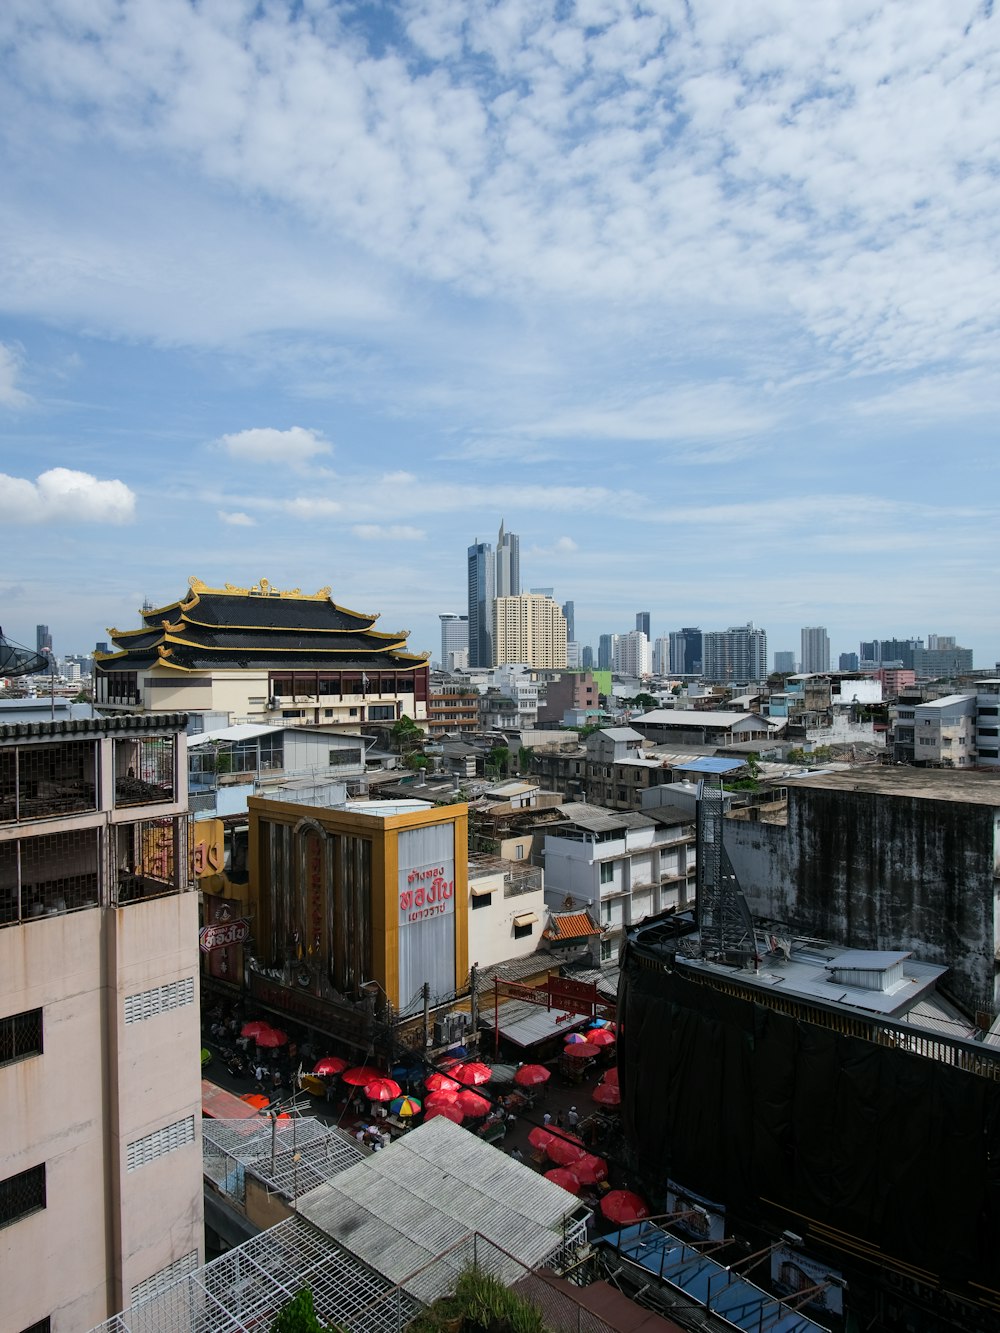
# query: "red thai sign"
x,y
223,934
431,897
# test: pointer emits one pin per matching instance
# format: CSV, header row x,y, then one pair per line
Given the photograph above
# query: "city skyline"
x,y
317,294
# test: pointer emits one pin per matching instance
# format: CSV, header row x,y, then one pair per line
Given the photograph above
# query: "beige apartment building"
x,y
530,629
100,1081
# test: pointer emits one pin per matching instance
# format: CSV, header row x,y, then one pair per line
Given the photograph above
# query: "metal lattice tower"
x,y
725,925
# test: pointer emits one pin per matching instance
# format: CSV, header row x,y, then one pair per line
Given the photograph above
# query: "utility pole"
x,y
427,1014
474,1002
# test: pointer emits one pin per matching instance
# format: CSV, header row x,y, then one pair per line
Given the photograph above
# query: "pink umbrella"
x,y
472,1074
601,1037
623,1206
254,1027
565,1151
441,1083
471,1103
443,1098
361,1075
562,1175
607,1094
452,1113
581,1050
531,1076
611,1077
590,1169
330,1064
574,1038
382,1090
271,1038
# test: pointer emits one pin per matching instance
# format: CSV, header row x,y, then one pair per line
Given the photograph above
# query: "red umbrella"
x,y
382,1090
623,1206
361,1075
472,1074
540,1138
564,1151
452,1113
530,1076
471,1103
254,1027
581,1050
562,1175
601,1037
611,1077
272,1038
443,1098
330,1064
441,1083
590,1169
607,1094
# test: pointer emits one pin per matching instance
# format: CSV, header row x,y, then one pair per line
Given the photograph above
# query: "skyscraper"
x,y
815,649
784,663
529,629
631,656
454,636
606,651
642,619
43,639
569,611
686,651
508,564
587,657
482,591
736,656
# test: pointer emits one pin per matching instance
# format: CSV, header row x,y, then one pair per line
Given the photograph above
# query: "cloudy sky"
x,y
701,297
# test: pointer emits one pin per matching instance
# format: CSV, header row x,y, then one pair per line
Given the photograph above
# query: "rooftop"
x,y
595,819
925,784
694,717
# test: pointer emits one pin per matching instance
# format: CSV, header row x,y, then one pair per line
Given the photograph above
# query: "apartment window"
x,y
605,951
481,900
989,712
163,1278
521,931
607,872
22,1195
160,1000
926,740
607,913
293,712
381,712
20,1036
40,1326
519,850
989,731
989,754
162,1141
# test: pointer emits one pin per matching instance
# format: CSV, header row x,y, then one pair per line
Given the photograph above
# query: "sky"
x,y
701,298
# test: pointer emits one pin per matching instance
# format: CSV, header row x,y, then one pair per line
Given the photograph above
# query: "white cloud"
x,y
237,519
306,507
10,373
283,448
372,532
64,496
566,544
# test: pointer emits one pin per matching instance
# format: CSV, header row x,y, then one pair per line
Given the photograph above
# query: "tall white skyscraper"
x,y
454,638
508,564
815,649
632,656
735,656
529,629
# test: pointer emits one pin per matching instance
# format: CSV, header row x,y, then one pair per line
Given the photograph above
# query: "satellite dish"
x,y
18,661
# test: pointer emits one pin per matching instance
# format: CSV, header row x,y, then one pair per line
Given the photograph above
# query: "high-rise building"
x,y
569,611
529,629
642,619
815,649
784,663
735,656
454,638
43,639
606,651
631,655
543,592
482,591
848,662
587,657
686,651
508,564
572,654
100,1085
661,656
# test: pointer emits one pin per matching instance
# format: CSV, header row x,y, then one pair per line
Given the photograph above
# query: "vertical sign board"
x,y
426,859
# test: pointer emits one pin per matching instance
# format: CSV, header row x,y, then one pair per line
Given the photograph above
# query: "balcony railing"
x,y
518,879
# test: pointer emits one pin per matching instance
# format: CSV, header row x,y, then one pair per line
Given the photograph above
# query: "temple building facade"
x,y
261,655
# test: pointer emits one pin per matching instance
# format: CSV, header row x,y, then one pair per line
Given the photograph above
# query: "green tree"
x,y
405,733
497,761
416,759
643,700
299,1316
524,757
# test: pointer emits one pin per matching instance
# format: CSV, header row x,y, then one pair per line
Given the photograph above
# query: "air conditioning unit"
x,y
442,1032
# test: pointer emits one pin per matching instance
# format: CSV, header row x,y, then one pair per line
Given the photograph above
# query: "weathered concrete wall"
x,y
881,871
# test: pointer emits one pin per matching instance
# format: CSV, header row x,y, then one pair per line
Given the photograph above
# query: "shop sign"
x,y
426,892
224,933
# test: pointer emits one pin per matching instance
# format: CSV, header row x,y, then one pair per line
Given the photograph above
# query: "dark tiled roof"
x,y
213,606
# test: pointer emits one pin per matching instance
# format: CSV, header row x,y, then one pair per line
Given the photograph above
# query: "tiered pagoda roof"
x,y
255,629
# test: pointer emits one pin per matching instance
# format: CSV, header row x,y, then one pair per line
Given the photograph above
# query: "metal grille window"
x,y
20,1036
144,770
22,1194
145,860
168,1139
160,1000
49,875
41,780
152,1286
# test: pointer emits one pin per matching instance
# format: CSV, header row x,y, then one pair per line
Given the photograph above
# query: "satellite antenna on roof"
x,y
18,661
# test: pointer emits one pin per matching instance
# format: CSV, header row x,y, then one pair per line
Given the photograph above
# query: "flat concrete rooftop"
x,y
922,784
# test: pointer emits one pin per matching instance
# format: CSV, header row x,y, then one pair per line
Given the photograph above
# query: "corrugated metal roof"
x,y
527,1024
242,731
596,819
401,1207
709,765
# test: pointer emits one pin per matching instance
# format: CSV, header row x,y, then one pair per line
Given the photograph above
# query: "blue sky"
x,y
701,298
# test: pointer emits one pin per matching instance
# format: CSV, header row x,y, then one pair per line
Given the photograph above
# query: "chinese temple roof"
x,y
257,628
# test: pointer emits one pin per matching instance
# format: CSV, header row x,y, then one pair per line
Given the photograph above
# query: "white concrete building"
x,y
619,866
100,1081
944,732
529,629
988,724
506,910
632,656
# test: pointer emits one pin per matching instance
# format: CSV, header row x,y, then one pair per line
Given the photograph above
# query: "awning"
x,y
482,890
525,919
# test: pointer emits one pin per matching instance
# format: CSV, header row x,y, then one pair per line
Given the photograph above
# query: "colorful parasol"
x,y
361,1075
382,1089
607,1094
452,1113
472,1104
590,1169
562,1175
330,1064
405,1107
441,1083
472,1074
574,1038
623,1206
532,1076
271,1038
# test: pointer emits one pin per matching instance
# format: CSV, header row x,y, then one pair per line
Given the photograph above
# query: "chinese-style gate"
x,y
575,997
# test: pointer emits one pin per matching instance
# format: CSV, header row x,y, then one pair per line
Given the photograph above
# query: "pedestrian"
x,y
560,1120
547,1119
517,1154
572,1117
258,1074
331,1090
